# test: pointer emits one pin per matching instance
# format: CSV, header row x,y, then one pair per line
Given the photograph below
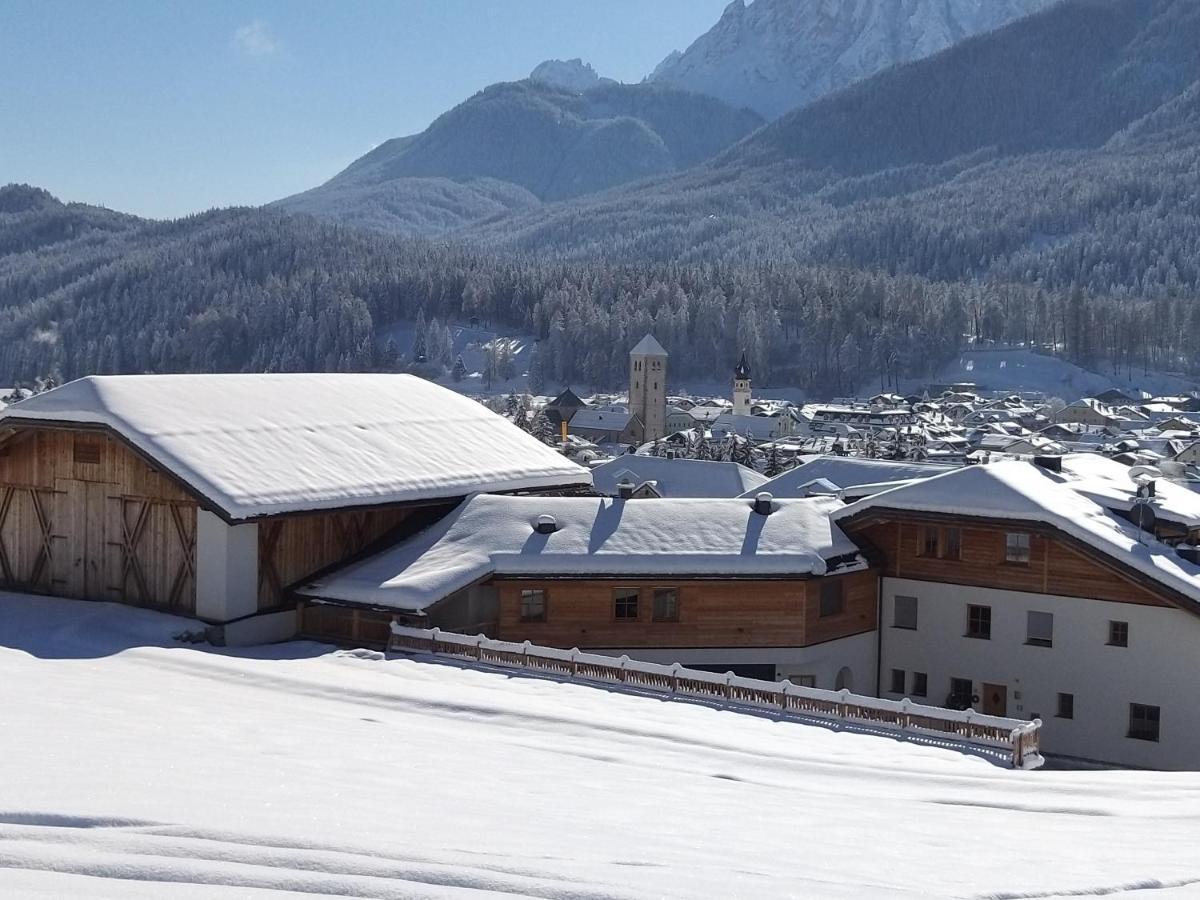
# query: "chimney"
x,y
1049,463
545,525
762,503
625,489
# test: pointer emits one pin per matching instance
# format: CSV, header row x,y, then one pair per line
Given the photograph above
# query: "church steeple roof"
x,y
648,346
742,371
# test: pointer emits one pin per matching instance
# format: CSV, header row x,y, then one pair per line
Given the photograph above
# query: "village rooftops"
x,y
260,445
490,535
1026,494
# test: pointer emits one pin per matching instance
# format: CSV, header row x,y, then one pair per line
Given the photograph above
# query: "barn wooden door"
x,y
80,554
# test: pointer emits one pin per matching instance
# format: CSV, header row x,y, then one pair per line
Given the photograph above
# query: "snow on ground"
x,y
1013,370
133,767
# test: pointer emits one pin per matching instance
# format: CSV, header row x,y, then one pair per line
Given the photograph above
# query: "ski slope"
x,y
135,767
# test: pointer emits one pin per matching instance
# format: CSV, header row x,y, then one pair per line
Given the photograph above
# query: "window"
x,y
666,605
625,604
929,541
979,622
1118,634
1016,548
904,615
898,676
1039,629
920,684
833,601
1066,706
1143,722
952,545
533,606
87,452
940,543
804,680
962,693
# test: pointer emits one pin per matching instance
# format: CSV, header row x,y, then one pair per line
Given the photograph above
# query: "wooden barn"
x,y
212,495
764,588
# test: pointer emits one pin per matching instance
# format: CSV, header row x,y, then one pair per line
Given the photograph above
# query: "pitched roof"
x,y
257,445
648,346
677,477
849,472
1022,491
600,420
494,535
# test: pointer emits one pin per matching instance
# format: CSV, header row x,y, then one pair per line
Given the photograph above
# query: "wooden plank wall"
x,y
293,548
711,613
118,529
1054,567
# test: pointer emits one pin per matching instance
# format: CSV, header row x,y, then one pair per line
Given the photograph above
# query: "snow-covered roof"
x,y
1022,491
1108,483
677,477
600,420
648,346
848,472
494,535
757,427
257,445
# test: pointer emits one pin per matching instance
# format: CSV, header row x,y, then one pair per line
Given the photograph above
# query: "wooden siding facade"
x,y
83,516
710,613
292,549
1056,566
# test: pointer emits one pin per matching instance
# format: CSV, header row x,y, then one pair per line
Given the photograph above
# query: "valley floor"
x,y
133,767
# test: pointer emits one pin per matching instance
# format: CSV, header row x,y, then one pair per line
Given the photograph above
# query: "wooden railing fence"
x,y
1018,737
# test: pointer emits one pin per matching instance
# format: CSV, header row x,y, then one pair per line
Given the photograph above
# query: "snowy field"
x,y
134,768
1023,370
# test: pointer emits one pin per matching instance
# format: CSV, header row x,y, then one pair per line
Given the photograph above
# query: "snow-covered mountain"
x,y
775,55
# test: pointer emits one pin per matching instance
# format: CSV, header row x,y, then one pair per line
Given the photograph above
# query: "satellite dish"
x,y
1144,474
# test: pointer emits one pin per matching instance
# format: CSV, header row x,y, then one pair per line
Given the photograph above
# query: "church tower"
x,y
648,387
741,387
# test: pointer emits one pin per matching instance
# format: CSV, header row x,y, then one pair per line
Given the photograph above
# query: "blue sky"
x,y
163,107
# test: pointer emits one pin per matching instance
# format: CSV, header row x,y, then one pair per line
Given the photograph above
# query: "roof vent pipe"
x,y
762,503
545,524
625,490
1049,463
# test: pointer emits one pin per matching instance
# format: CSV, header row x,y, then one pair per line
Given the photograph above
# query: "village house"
x,y
602,426
763,588
1028,590
212,495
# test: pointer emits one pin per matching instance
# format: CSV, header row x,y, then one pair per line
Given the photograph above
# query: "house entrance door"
x,y
995,699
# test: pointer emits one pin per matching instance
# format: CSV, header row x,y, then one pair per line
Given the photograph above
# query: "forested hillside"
x,y
864,236
515,144
257,290
1062,152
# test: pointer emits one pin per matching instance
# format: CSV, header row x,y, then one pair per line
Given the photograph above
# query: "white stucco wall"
x,y
226,568
822,660
1160,667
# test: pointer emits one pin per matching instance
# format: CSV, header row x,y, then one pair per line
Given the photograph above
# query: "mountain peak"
x,y
569,74
775,55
